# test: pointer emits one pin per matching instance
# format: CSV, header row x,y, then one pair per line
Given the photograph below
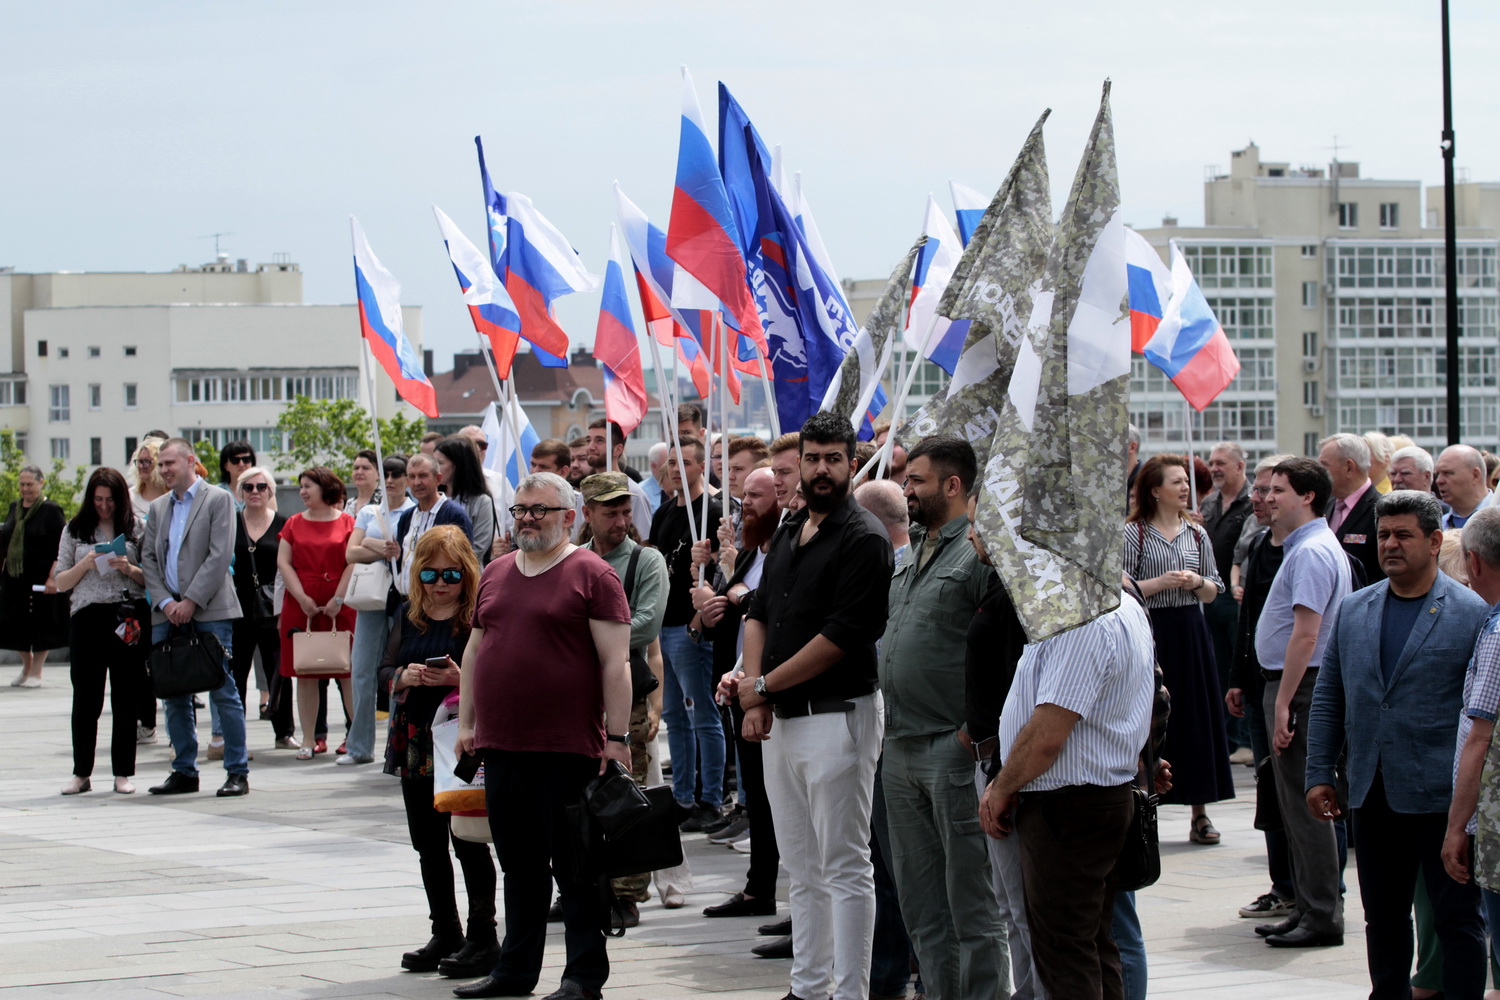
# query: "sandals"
x,y
78,786
305,753
1203,831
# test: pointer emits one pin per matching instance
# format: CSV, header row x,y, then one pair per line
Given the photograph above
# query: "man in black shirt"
x,y
695,735
809,660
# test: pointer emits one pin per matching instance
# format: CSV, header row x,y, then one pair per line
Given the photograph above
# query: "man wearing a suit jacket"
x,y
1392,684
1351,515
186,554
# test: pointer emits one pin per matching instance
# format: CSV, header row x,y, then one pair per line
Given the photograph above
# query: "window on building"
x,y
96,398
94,353
41,348
131,444
130,396
1388,214
1230,266
12,393
263,439
59,409
1310,294
1310,343
1309,249
1348,215
1309,394
1310,443
268,389
96,451
22,440
62,352
130,352
62,448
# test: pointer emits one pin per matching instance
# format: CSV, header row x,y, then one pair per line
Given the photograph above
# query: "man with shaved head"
x,y
1461,484
884,499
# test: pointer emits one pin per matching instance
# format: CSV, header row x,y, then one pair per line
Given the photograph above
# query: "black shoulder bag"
x,y
1140,858
187,662
642,680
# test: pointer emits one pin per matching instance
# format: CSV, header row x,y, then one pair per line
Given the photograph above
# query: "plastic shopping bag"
x,y
449,793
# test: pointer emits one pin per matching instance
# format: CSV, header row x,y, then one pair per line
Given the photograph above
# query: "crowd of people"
x,y
843,684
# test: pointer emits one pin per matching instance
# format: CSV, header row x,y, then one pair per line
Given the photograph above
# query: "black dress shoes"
x,y
781,928
1305,937
779,948
741,905
569,990
235,784
489,986
630,916
177,783
427,957
473,959
1284,927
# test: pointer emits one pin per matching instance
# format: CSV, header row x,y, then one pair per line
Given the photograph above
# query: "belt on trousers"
x,y
1051,793
822,706
1275,675
983,750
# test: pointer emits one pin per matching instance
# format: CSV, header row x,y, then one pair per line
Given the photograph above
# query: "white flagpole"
x,y
765,375
507,421
385,501
1188,436
609,443
898,418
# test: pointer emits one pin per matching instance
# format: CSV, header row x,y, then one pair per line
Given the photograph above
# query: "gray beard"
x,y
543,540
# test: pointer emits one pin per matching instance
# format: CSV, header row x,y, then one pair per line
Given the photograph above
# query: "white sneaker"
x,y
672,898
145,736
1244,755
349,758
742,845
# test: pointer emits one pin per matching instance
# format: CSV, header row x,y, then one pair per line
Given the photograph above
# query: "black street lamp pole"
x,y
1450,240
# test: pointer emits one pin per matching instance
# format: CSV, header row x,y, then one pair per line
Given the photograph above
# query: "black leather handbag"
x,y
1140,858
615,801
652,843
642,680
187,662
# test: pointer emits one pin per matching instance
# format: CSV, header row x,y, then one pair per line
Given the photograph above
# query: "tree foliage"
x,y
330,432
61,490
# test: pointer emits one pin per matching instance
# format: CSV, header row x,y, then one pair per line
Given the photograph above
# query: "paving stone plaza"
x,y
308,888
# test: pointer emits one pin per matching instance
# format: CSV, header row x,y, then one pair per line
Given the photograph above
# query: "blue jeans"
x,y
182,725
695,736
371,629
1126,930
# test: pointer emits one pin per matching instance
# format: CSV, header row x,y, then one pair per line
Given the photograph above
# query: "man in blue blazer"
x,y
1392,687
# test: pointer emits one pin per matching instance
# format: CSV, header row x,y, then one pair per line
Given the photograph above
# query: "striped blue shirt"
x,y
1481,690
1105,672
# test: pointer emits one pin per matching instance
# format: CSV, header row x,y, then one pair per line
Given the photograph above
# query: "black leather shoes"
x,y
473,959
569,990
1284,927
427,957
781,928
235,784
630,916
177,783
1305,937
703,816
779,948
741,905
489,986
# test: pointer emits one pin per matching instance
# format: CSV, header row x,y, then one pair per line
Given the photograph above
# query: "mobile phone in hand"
x,y
468,767
437,663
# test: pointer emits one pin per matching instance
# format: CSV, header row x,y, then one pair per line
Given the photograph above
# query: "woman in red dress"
x,y
316,575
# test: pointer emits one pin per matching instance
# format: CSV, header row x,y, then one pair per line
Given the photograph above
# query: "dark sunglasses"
x,y
256,487
240,460
449,575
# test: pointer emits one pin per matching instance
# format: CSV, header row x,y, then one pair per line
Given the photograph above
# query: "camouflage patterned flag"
x,y
1049,509
992,290
855,382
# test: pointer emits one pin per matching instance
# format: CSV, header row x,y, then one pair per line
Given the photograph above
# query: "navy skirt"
x,y
1195,742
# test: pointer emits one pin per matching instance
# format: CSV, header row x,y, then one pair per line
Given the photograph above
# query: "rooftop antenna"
x,y
1333,172
215,237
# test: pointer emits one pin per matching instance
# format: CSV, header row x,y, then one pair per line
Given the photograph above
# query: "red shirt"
x,y
538,684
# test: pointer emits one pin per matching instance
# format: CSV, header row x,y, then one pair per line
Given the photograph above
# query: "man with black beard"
x,y
809,659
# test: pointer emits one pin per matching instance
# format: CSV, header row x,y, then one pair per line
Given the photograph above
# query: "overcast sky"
x,y
132,130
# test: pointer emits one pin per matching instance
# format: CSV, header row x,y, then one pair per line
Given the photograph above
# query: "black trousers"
x,y
765,856
251,637
527,794
1070,843
1391,849
431,834
96,652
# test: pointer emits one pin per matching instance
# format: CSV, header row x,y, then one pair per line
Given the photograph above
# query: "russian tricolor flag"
x,y
936,262
969,206
617,349
490,307
536,263
1189,345
1150,285
701,233
380,323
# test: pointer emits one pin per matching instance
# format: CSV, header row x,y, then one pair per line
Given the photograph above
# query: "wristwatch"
x,y
621,738
760,687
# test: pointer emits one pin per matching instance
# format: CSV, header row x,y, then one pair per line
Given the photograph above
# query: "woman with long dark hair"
x,y
234,458
1172,560
33,618
436,624
462,476
107,596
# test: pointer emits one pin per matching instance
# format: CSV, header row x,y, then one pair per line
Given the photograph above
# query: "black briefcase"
x,y
652,843
186,663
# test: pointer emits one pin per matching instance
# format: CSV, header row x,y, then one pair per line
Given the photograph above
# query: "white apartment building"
x,y
1331,289
213,352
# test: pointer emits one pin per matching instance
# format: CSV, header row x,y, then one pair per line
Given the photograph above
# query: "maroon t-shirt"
x,y
537,680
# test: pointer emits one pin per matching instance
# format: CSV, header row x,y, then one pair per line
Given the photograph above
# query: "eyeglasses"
x,y
536,511
482,445
1260,491
144,463
256,487
240,460
448,575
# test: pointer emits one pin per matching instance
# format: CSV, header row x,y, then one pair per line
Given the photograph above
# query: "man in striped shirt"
x,y
1071,735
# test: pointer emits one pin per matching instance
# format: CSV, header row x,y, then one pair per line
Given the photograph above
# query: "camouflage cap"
x,y
602,487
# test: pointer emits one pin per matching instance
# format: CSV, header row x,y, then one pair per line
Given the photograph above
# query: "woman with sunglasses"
x,y
371,628
106,600
148,482
257,539
316,575
436,624
234,458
